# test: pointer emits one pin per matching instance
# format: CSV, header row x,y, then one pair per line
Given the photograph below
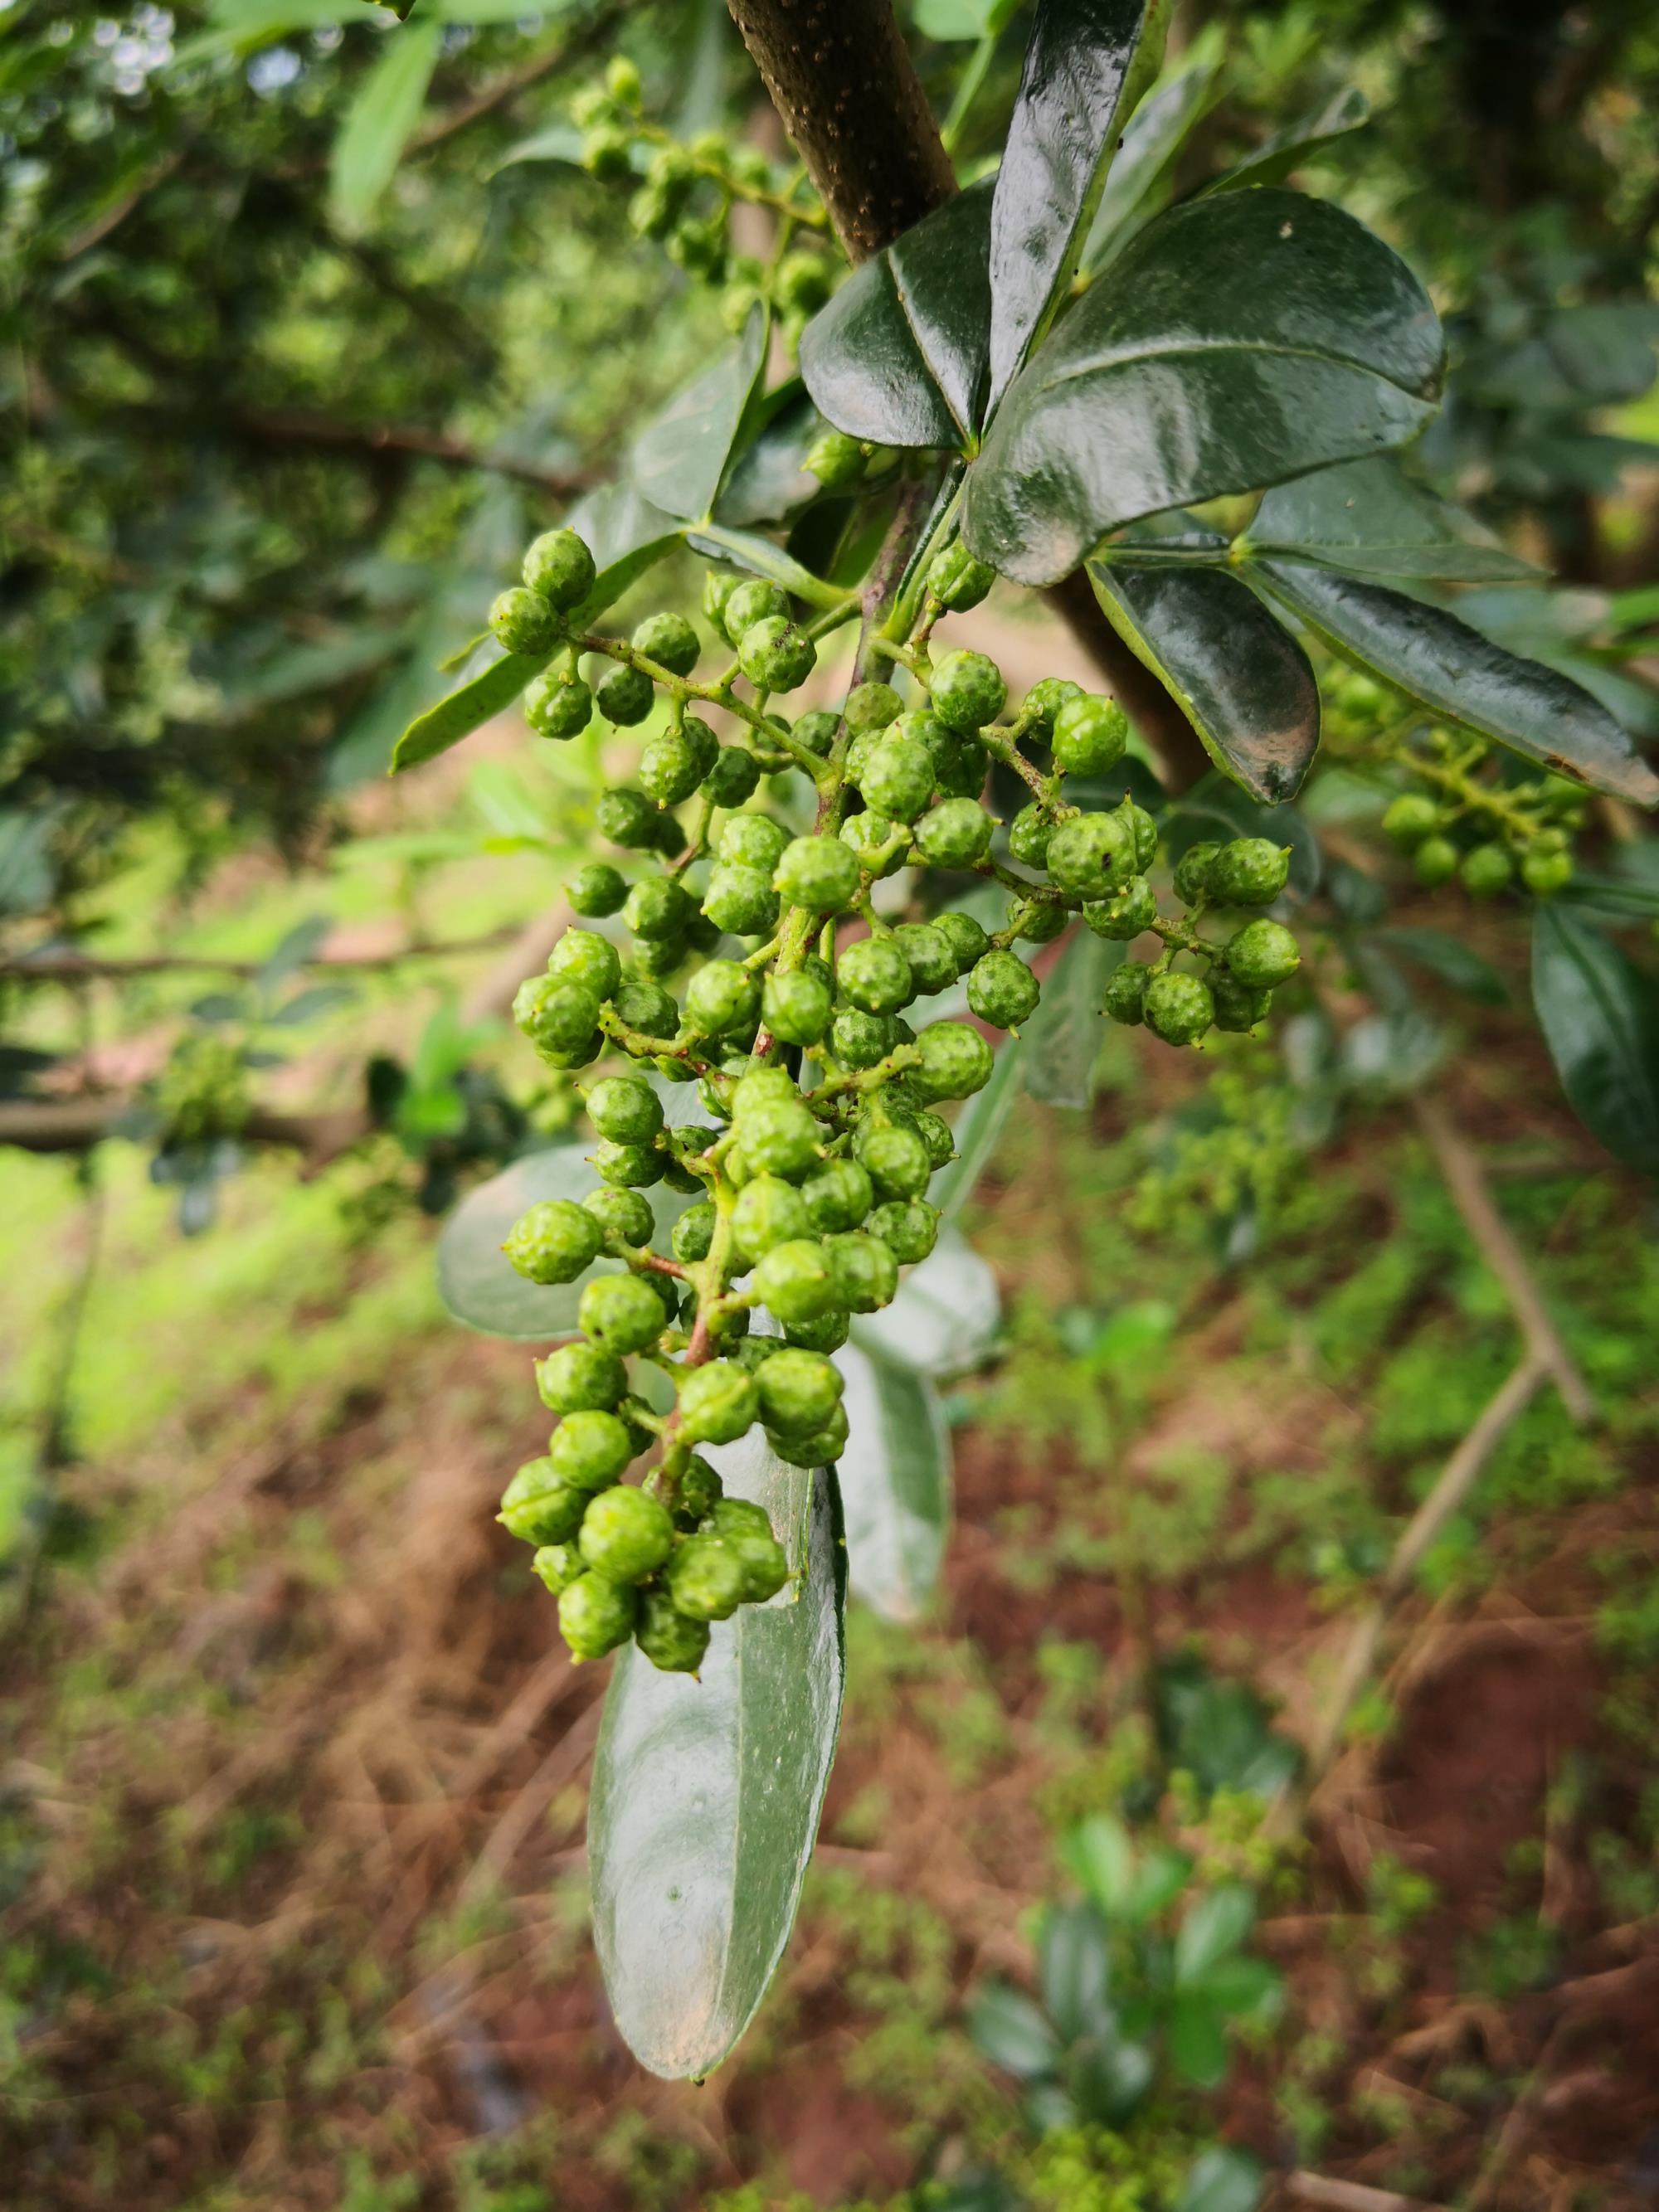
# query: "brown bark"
x,y
840,77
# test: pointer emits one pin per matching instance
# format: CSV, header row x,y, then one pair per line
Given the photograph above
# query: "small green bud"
x,y
621,1213
590,1448
1409,818
955,834
1193,872
1436,861
1486,870
740,900
722,996
859,1040
896,1158
554,1242
559,704
1249,871
1043,702
706,1579
1125,996
966,937
751,600
782,1136
627,818
928,956
956,1061
583,957
1126,914
872,707
799,1391
674,764
1544,874
693,1234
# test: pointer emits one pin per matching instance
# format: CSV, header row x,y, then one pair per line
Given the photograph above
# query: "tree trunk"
x,y
842,78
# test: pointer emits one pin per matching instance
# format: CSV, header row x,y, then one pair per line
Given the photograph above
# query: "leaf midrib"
x,y
1191,347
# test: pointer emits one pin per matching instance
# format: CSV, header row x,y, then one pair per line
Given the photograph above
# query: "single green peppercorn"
x,y
836,459
866,1274
597,889
816,731
776,655
928,956
559,566
1436,861
626,817
1262,955
625,1109
718,1402
670,640
595,1616
966,937
722,996
622,1313
580,1379
620,1213
1487,870
645,1006
815,1447
1090,736
896,1158
1029,834
859,1040
693,1234
798,1391
740,900
554,1242
625,696
955,834
935,1132
876,977
626,1535
590,1448
1044,701
732,776
1133,909
1091,854
658,909
699,1489
1544,874
956,1061
956,579
838,1196
1178,1007
1249,871
768,1212
908,1228
674,764
828,1332
1002,990
968,690
559,704
629,1167
706,1579
753,600
782,1136
524,621
1237,1007
1125,996
1192,873
797,1006
558,1565
671,1639
818,873
872,707
539,1506
793,1281
1036,920
1409,818
879,843
897,778
557,1013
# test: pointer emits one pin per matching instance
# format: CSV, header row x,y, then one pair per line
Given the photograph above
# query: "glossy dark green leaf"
x,y
1440,659
1369,517
476,1281
1011,2031
977,1130
1600,1016
768,479
1137,180
894,1476
488,694
900,355
1273,160
678,460
1061,1044
1240,677
1061,135
707,1793
1237,341
1221,2180
1212,1929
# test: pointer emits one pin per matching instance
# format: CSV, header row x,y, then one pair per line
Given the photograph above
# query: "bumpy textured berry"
x,y
907,1227
554,1242
781,1136
620,1213
776,656
630,1167
1090,736
673,765
597,889
754,600
816,1448
897,778
558,1565
752,841
595,1616
956,579
669,1639
1237,1007
866,1274
799,1391
876,976
733,776
1043,702
966,937
793,1281
624,1110
768,1212
740,900
1249,871
1002,990
816,731
626,817
559,704
622,1313
836,459
625,1534
1036,920
1178,1008
700,1488
797,1006
1091,854
872,707
968,690
1262,955
1135,909
555,1013
1192,873
859,1040
955,834
670,640
879,843
625,696
1124,999
524,621
718,1402
582,956
580,1379
722,996
1487,870
1409,818
956,1061
706,1579
559,567
818,873
928,954
693,1234
589,1449
896,1158
540,1507
838,1196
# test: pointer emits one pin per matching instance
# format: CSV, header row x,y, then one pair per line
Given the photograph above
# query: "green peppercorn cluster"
x,y
747,979
1458,815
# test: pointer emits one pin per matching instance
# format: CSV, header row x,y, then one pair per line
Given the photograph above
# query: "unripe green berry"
x,y
763,1561
1178,1008
896,1158
763,1083
935,1133
671,1639
580,1379
836,459
1192,873
956,1061
782,1136
595,1616
876,976
699,1489
908,1228
927,955
645,1006
814,1448
955,834
706,1579
966,937
751,601
621,1313
872,707
753,841
621,1213
1144,830
554,1242
1546,873
816,731
720,997
597,889
818,873
524,621
539,1506
740,900
625,1109
1237,1007
1036,920
879,843
1486,870
776,655
838,1196
559,567
956,579
960,763
768,1212
693,1234
733,776
828,1332
558,1565
559,704
625,696
797,1006
670,640
794,1282
799,1391
1043,702
625,1534
718,585
718,1402
626,817
583,957
1435,862
968,690
630,1167
1262,955
1409,818
1249,871
865,1276
1125,996
897,779
1090,736
590,1448
1002,990
674,764
1091,854
658,909
859,1040
1135,909
555,1012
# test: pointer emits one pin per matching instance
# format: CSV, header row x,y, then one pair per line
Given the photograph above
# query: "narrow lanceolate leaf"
x,y
1137,180
627,534
678,460
1461,673
894,1476
1600,1016
707,1793
476,1281
749,549
1369,517
1061,136
1241,678
1273,159
385,109
488,694
900,355
1237,341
